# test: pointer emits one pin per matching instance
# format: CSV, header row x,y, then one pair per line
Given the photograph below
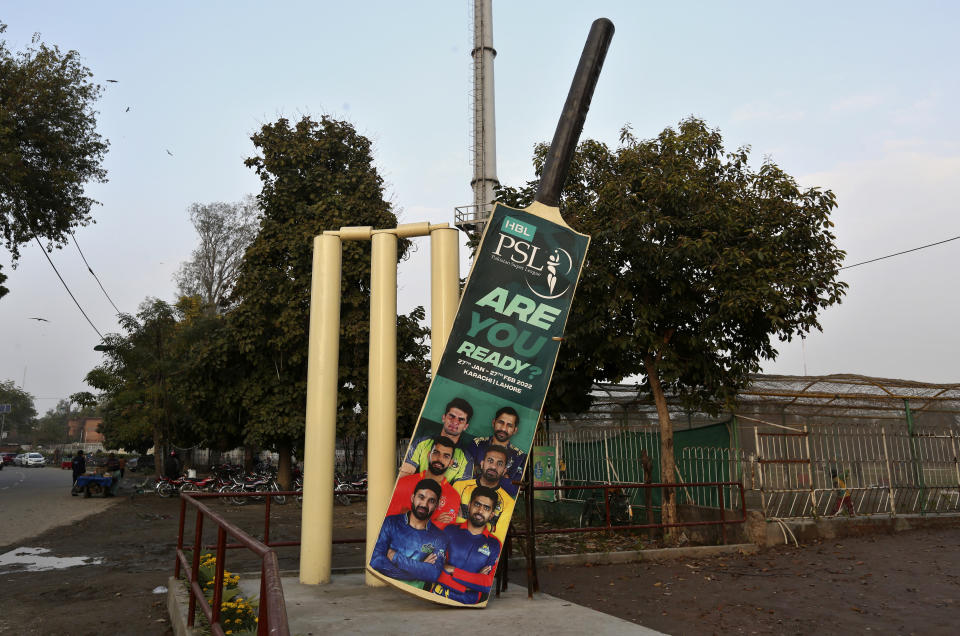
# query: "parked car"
x,y
18,460
7,457
35,459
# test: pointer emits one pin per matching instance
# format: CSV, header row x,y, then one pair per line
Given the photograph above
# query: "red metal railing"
x,y
273,613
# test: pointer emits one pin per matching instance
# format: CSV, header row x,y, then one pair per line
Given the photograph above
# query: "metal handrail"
x,y
273,612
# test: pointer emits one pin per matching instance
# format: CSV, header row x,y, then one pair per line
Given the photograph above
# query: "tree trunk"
x,y
647,465
284,476
667,467
159,452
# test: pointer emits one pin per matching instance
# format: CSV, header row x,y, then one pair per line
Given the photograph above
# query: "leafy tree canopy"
x,y
49,147
22,411
697,263
316,176
137,379
52,426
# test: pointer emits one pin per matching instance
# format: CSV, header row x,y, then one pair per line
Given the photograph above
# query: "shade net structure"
x,y
803,446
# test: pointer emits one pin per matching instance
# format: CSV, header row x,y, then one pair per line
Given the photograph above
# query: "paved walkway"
x,y
347,606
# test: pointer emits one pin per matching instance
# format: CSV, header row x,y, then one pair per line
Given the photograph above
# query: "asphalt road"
x,y
33,500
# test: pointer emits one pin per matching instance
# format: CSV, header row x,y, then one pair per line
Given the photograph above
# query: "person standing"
x,y
112,468
79,466
173,466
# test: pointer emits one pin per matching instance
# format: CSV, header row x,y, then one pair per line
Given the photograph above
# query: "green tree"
x,y
17,423
697,264
210,376
136,381
52,427
49,147
316,176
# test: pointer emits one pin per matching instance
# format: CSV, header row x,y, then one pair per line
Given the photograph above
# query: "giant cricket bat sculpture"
x,y
444,528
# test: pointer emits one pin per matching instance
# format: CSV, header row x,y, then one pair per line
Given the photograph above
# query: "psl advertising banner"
x,y
453,500
545,471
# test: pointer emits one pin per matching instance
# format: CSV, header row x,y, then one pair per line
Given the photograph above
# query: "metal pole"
x,y
956,463
484,120
917,470
533,583
756,441
316,534
444,289
606,456
382,396
813,492
886,456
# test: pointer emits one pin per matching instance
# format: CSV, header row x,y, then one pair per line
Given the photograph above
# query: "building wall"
x,y
85,429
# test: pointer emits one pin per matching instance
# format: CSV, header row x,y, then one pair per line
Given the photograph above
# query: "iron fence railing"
x,y
857,470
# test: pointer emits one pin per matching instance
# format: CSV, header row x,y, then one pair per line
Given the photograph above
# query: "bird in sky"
x,y
40,319
112,81
128,110
169,153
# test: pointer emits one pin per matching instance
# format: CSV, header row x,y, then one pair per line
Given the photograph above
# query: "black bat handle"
x,y
574,113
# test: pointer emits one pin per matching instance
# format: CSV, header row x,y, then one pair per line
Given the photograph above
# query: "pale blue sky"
x,y
858,97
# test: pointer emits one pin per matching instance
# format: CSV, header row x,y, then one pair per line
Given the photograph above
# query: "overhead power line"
x,y
65,286
90,269
922,247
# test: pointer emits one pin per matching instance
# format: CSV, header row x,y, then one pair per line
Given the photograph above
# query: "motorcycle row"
x,y
242,488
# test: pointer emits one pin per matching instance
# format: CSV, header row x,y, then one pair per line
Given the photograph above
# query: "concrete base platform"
x,y
348,606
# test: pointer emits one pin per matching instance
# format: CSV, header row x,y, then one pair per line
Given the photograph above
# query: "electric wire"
x,y
922,247
90,269
65,286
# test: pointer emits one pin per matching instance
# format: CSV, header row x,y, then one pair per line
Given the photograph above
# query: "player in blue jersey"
x,y
472,553
505,424
410,548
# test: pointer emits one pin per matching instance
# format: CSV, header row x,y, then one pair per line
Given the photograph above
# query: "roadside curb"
x,y
177,603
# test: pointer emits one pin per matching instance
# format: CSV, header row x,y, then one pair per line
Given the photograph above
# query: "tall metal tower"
x,y
472,217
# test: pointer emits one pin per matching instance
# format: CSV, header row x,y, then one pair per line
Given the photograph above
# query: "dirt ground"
x,y
136,540
904,583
